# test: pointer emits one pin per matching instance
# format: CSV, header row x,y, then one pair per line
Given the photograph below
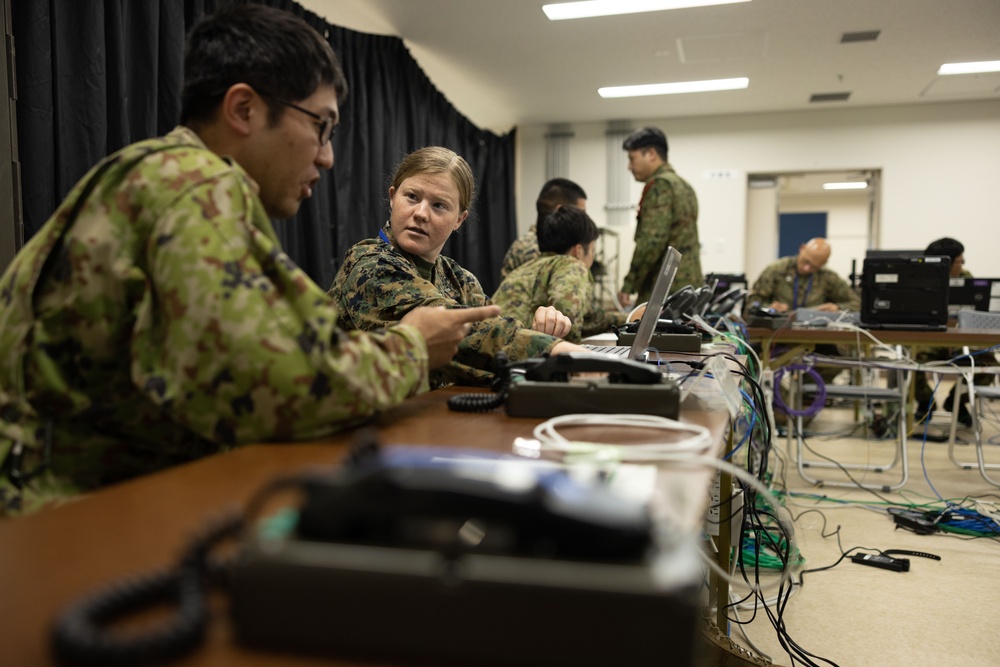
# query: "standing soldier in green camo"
x,y
384,278
559,276
155,319
668,216
555,193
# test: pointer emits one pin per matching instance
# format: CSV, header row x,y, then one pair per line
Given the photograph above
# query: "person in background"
x,y
952,249
803,281
923,393
155,319
384,278
668,216
559,276
555,193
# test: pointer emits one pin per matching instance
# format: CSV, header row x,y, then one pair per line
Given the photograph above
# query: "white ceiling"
x,y
503,63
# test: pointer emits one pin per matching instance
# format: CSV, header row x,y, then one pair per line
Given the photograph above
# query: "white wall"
x,y
846,224
940,166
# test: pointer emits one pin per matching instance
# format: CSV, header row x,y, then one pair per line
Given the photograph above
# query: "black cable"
x,y
81,635
505,369
476,402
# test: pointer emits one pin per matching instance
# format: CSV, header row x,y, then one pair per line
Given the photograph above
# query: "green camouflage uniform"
x,y
379,283
668,216
555,280
521,251
777,283
165,323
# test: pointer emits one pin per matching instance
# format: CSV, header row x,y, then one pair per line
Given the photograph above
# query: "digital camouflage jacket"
x,y
379,283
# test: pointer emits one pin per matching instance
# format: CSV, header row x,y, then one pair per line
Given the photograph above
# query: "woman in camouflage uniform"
x,y
384,278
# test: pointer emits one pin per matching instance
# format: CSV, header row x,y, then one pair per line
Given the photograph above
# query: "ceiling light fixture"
x,y
674,88
852,185
970,68
589,8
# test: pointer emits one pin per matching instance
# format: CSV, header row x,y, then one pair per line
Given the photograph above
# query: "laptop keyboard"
x,y
613,350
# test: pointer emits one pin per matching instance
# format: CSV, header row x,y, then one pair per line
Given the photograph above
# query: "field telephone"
x,y
459,557
427,554
574,382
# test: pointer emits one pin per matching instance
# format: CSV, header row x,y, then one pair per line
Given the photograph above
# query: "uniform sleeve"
x,y
840,293
598,320
382,287
240,345
652,235
765,288
521,251
569,292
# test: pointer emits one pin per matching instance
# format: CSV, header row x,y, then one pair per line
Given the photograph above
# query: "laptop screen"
x,y
905,292
647,324
981,294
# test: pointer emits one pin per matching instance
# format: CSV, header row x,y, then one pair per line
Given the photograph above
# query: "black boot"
x,y
922,409
964,416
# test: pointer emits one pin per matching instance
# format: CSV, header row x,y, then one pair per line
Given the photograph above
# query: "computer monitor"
x,y
982,294
905,292
873,252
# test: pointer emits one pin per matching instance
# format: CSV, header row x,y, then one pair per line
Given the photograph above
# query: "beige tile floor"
x,y
941,613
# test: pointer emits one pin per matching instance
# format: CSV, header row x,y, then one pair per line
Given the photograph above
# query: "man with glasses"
x,y
155,318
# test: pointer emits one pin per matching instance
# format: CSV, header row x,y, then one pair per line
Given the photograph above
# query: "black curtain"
x,y
96,75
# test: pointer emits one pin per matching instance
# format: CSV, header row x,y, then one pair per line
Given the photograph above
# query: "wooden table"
x,y
48,559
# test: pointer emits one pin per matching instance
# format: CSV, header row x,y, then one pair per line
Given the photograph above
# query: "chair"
x,y
897,393
978,394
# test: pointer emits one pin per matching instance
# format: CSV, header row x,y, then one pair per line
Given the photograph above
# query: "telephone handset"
x,y
662,326
558,368
462,501
544,388
550,375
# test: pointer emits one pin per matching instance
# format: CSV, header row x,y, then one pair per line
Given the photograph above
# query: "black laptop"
x,y
905,293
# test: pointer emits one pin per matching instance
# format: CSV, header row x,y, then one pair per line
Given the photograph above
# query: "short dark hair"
x,y
273,51
947,247
564,228
647,137
555,193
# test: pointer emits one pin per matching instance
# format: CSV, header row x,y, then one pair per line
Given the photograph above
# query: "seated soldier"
x,y
560,276
923,392
555,193
384,278
803,281
155,319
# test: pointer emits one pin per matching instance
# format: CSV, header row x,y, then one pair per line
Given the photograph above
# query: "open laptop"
x,y
647,324
905,293
982,294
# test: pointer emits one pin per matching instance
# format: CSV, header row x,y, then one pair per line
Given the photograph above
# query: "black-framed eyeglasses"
x,y
326,125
